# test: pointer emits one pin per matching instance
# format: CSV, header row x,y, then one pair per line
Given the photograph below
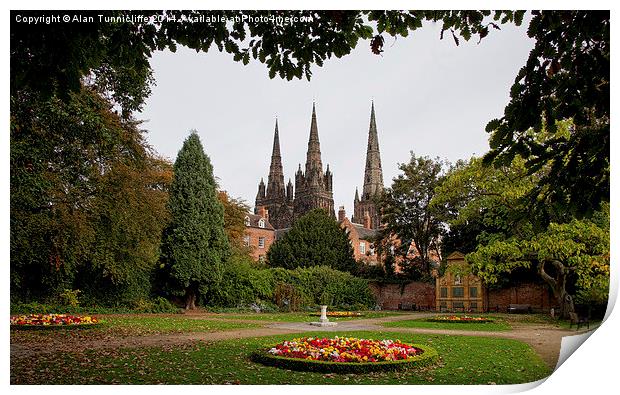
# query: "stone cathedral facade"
x,y
314,186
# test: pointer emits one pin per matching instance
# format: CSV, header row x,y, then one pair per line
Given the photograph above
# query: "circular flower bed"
x,y
459,319
52,321
340,314
345,355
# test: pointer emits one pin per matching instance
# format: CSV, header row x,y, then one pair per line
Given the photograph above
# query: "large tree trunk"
x,y
558,287
190,299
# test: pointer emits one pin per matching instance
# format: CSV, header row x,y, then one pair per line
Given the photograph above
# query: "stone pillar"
x,y
323,314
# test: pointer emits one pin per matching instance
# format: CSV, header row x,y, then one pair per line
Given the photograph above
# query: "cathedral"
x,y
314,187
373,180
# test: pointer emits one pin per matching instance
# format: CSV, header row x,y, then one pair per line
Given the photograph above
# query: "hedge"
x,y
245,284
429,357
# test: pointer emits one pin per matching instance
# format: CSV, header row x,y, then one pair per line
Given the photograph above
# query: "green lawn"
x,y
464,360
133,325
302,317
159,324
463,326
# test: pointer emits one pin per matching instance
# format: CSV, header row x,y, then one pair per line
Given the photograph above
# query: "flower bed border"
x,y
428,357
486,320
47,327
332,315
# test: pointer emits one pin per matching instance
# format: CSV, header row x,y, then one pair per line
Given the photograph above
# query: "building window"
x,y
362,247
392,250
473,306
473,292
371,249
261,223
457,280
246,240
261,242
457,292
443,292
458,305
261,258
247,221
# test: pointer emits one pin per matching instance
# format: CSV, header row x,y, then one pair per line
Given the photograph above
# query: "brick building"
x,y
259,234
361,237
458,289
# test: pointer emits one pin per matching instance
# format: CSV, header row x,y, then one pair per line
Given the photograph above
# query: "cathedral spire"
x,y
275,181
373,175
313,157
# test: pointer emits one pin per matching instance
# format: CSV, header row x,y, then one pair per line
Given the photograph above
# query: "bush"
x,y
70,297
157,305
291,290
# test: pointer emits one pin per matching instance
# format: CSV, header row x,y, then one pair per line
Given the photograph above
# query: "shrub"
x,y
291,290
70,297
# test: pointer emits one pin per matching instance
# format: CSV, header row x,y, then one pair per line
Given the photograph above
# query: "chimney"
x,y
266,215
341,214
261,211
366,220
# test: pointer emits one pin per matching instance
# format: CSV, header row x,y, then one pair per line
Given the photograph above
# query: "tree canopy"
x,y
574,254
53,58
571,255
195,243
88,200
315,239
407,211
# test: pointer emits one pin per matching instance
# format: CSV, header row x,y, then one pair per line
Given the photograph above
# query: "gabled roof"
x,y
364,233
254,219
456,256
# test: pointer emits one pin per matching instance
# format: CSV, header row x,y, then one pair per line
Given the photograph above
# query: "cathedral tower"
x,y
373,180
313,188
276,197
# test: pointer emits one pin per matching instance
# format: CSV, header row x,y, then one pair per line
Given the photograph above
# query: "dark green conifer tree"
x,y
315,239
195,243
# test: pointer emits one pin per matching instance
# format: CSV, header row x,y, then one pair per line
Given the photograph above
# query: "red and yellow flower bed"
x,y
52,321
345,355
340,314
459,319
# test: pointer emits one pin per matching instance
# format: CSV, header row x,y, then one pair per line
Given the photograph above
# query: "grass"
x,y
463,360
462,326
165,324
302,317
130,325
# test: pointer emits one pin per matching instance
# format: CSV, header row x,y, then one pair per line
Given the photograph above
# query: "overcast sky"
x,y
431,97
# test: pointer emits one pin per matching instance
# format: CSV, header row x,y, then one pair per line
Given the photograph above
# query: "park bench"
x,y
578,321
519,308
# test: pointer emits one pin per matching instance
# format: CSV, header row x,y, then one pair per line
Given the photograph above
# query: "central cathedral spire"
x,y
373,175
313,188
313,157
275,181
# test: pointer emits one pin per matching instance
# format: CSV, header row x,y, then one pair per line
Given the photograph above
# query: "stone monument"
x,y
323,320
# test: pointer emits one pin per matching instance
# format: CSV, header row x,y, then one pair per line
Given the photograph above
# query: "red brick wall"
x,y
254,234
389,296
537,295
